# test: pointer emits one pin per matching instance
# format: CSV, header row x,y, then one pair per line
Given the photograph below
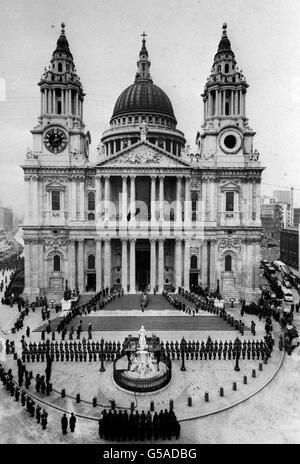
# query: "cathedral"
x,y
147,214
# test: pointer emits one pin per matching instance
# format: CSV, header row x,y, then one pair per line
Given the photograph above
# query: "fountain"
x,y
143,368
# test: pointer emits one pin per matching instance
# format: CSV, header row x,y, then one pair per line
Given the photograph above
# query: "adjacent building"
x,y
6,219
289,246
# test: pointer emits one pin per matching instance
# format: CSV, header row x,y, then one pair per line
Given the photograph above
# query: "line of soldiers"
x,y
25,399
138,426
100,299
208,306
108,351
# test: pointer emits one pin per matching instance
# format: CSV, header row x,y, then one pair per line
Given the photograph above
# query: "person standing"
x,y
64,424
72,422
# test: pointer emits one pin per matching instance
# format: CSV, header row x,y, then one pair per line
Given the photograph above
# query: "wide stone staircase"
x,y
132,302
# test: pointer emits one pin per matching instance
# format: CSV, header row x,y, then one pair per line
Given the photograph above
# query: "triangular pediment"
x,y
55,185
230,186
143,154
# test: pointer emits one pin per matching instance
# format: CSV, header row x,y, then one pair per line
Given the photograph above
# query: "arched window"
x,y
59,67
228,263
91,201
56,263
219,68
226,67
194,261
91,262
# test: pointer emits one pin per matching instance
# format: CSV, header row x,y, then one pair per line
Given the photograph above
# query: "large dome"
x,y
143,96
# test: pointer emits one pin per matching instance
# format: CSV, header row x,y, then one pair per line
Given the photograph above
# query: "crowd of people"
x,y
21,396
138,426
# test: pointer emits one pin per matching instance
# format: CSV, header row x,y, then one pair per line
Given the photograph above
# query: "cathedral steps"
x,y
132,302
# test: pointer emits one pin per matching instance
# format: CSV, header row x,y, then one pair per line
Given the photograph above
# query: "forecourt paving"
x,y
157,323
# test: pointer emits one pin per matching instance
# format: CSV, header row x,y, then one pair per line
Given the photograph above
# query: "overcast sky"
x,y
183,35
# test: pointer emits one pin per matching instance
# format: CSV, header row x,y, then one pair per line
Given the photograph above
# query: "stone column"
x,y
132,200
178,201
204,264
209,105
213,283
212,200
82,199
231,102
98,197
186,276
224,102
107,197
124,265
235,102
70,101
107,262
161,198
124,201
132,265
80,265
153,200
152,264
98,265
161,265
203,199
178,262
71,261
53,102
187,203
35,200
27,199
27,267
249,202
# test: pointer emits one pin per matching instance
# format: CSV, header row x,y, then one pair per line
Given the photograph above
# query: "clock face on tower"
x,y
55,140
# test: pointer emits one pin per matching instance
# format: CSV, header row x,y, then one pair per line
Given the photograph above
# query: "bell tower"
x,y
226,132
59,136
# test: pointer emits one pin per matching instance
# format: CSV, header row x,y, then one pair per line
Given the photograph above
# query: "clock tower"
x,y
59,138
226,135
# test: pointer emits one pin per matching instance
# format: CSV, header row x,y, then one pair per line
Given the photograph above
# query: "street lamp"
x,y
237,357
182,361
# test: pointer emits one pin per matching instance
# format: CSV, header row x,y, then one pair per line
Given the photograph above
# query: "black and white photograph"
x,y
149,225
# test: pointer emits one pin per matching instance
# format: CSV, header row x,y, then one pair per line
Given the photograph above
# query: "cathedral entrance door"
x,y
142,263
193,280
91,282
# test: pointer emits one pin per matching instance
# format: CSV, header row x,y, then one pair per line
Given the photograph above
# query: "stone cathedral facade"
x,y
147,213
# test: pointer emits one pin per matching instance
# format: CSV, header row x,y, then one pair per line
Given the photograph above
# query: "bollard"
x,y
221,391
15,356
63,393
253,373
260,367
78,398
234,386
113,404
94,402
171,405
206,397
151,405
132,406
189,401
245,379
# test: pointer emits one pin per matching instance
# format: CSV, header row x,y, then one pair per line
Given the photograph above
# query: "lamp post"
x,y
182,361
237,357
102,368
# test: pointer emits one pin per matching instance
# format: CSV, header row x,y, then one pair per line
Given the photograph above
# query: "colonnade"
x,y
215,105
70,102
157,197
